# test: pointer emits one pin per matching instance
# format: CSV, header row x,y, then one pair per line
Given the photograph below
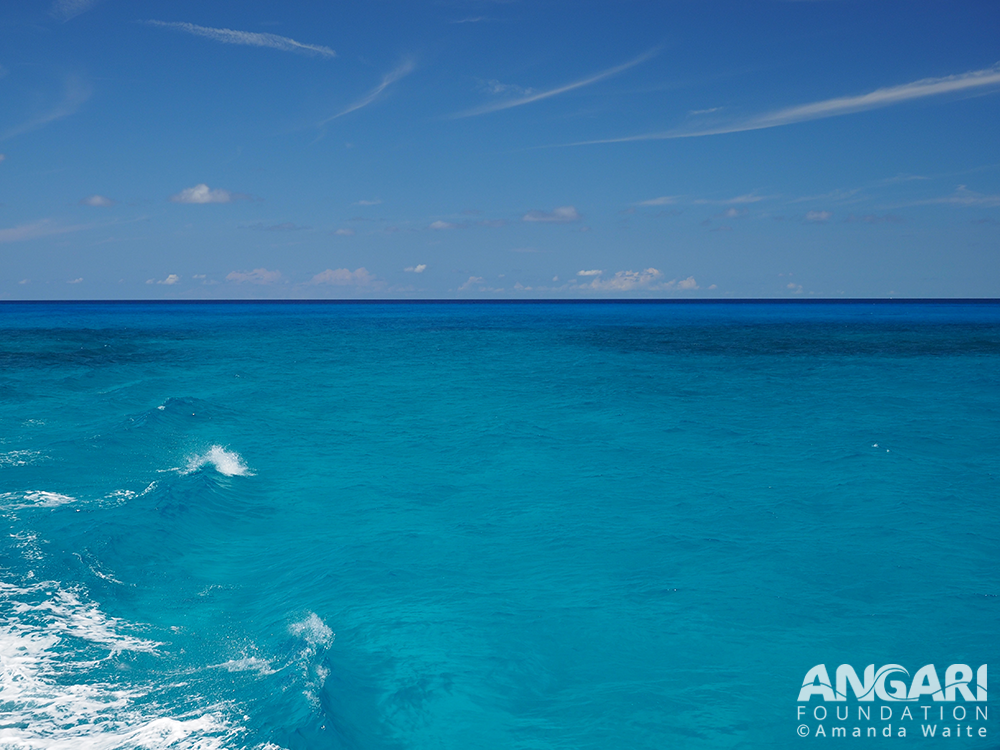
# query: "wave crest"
x,y
228,463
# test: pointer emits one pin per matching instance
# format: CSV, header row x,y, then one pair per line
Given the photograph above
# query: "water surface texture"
x,y
528,526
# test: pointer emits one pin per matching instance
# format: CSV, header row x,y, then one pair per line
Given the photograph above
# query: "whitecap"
x,y
47,702
316,634
20,458
228,463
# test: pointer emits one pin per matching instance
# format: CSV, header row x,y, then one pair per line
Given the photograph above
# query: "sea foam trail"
x,y
48,641
229,463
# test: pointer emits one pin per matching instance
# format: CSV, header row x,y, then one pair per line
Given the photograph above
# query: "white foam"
x,y
34,499
229,463
247,664
317,635
313,630
20,458
47,702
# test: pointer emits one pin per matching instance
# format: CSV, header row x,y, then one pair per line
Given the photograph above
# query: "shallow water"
x,y
485,525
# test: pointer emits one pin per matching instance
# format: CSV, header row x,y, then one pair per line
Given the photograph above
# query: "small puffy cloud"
x,y
416,269
663,200
373,202
734,213
345,232
795,288
442,225
98,201
473,280
818,216
169,281
589,273
202,194
256,276
561,215
75,281
343,277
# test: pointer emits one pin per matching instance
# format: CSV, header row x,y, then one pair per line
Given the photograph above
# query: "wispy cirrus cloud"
x,y
962,197
404,69
248,38
529,99
75,93
42,228
972,81
561,215
64,10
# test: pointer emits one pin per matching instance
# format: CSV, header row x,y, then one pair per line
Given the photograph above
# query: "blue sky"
x,y
475,149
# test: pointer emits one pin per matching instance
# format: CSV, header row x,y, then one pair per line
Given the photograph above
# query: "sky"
x,y
504,149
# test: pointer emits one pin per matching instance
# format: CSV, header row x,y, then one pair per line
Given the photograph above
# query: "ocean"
x,y
489,525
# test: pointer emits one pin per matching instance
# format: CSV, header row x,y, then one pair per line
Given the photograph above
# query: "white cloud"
x,y
663,200
170,280
733,213
495,107
884,97
561,215
589,273
650,279
202,194
343,277
345,232
442,225
818,216
417,269
64,10
387,80
965,197
747,198
256,276
98,201
473,280
374,202
75,281
251,38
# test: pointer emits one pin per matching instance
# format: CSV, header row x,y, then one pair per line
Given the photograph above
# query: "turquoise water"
x,y
486,525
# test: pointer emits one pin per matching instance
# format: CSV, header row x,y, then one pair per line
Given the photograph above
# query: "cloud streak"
x,y
35,229
248,38
971,81
387,80
497,106
64,10
75,94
